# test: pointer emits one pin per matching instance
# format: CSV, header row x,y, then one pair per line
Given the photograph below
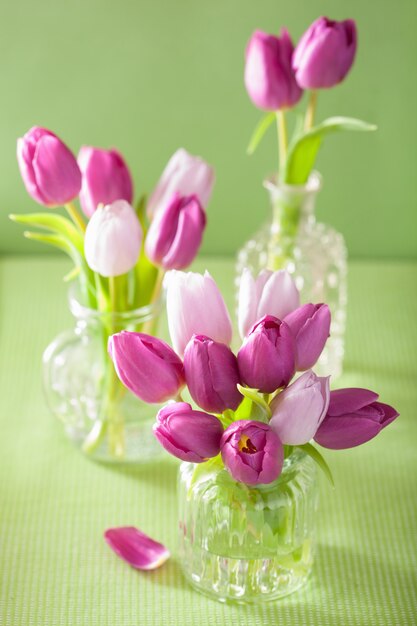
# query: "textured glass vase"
x,y
313,253
248,544
103,418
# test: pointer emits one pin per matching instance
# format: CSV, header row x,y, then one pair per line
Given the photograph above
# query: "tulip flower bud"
x,y
189,435
105,178
325,53
252,452
354,417
212,374
185,174
175,233
310,326
195,307
113,239
269,77
298,410
266,358
271,293
48,168
147,366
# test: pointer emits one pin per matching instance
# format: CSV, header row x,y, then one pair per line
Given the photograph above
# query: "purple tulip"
x,y
354,417
147,366
325,53
211,374
195,306
298,411
270,293
185,174
189,435
269,77
175,233
252,452
48,168
266,358
105,178
310,326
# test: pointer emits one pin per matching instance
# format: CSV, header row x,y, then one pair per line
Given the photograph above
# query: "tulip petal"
x,y
349,400
247,302
133,546
56,170
188,237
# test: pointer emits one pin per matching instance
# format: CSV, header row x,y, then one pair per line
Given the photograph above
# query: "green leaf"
x,y
74,273
260,131
54,222
63,243
257,398
303,151
317,457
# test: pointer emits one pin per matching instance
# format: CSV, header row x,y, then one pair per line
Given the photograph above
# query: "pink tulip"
x,y
185,174
354,417
48,168
113,239
298,410
212,374
175,233
252,452
325,53
195,307
270,293
266,358
147,366
187,434
269,77
105,178
310,326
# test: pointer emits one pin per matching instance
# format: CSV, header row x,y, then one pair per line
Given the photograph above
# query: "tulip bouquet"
x,y
120,253
250,412
276,75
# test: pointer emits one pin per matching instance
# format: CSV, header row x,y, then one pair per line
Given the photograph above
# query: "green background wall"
x,y
148,76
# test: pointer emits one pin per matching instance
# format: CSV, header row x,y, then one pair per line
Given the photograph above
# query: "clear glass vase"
x,y
104,419
248,544
313,253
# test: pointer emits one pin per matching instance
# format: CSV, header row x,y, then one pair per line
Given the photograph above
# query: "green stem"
x,y
75,216
149,326
311,110
282,139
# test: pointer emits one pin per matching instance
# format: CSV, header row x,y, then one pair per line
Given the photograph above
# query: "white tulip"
x,y
271,293
184,174
113,239
195,306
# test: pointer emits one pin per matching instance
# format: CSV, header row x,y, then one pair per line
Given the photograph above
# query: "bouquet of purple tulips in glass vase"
x,y
120,254
276,76
246,427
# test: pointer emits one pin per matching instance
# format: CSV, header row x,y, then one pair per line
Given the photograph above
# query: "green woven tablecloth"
x,y
55,568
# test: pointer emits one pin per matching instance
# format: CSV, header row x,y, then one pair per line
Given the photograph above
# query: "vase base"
x,y
247,581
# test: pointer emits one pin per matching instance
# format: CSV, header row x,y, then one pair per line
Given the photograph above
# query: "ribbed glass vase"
x,y
313,253
248,544
105,420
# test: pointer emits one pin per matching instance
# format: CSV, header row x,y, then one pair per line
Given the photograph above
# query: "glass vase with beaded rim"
x,y
314,253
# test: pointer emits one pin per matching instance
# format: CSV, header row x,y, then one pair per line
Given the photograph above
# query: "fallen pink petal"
x,y
133,546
